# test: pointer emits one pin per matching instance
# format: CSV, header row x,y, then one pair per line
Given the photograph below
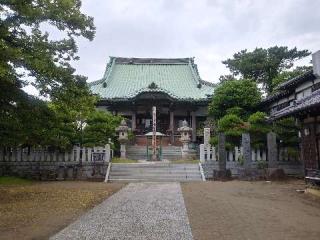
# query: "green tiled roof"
x,y
125,78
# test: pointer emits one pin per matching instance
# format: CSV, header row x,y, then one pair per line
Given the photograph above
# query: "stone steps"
x,y
140,152
154,172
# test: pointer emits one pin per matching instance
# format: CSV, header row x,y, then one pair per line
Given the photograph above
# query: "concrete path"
x,y
138,211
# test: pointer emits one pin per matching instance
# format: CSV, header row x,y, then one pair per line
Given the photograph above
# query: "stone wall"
x,y
290,169
55,170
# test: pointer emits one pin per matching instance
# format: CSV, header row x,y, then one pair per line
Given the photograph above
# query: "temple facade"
x,y
130,87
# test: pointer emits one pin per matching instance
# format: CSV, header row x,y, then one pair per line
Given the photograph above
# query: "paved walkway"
x,y
138,211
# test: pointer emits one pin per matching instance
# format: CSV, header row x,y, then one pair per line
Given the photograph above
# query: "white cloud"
x,y
210,30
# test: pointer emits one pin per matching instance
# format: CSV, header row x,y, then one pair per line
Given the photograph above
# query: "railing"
x,y
76,154
209,154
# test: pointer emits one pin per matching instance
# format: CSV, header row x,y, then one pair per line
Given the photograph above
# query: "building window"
x,y
299,95
304,93
307,92
283,105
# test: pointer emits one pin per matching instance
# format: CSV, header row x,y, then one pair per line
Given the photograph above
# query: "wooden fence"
x,y
76,154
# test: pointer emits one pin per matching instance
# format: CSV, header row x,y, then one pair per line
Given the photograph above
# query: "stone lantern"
x,y
122,130
185,137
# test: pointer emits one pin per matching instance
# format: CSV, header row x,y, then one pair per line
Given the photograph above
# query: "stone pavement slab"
x,y
138,211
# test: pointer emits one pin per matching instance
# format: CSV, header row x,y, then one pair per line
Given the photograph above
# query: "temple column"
x,y
172,126
133,120
194,126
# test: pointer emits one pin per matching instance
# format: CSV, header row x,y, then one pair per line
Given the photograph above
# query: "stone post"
x,y
123,151
202,157
247,155
272,150
222,157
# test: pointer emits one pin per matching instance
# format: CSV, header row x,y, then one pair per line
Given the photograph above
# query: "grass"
x,y
182,161
123,160
6,180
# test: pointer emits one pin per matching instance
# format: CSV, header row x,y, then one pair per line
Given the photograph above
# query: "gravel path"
x,y
138,211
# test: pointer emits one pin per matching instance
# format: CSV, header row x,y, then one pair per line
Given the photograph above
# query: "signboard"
x,y
98,157
206,136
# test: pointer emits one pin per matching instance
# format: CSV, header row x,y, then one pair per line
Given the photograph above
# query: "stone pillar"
x,y
123,152
194,126
222,157
272,150
172,126
202,153
134,121
247,155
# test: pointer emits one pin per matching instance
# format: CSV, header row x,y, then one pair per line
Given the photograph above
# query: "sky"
x,y
209,30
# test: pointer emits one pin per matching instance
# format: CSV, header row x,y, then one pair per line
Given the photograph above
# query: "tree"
x,y
287,75
29,56
287,130
100,127
26,50
238,97
263,65
73,105
27,124
233,126
224,78
258,128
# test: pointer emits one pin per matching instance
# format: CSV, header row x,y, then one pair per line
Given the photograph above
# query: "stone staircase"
x,y
154,172
136,152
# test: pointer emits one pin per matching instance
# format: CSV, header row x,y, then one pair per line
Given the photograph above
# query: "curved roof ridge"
x,y
296,79
96,82
194,73
134,60
158,89
210,84
109,69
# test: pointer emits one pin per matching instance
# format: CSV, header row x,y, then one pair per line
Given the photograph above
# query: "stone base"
x,y
276,174
222,175
54,170
250,174
189,154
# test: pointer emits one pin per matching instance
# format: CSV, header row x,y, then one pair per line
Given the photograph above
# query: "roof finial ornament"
x,y
152,85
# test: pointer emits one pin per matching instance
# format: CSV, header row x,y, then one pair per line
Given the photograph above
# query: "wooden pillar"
x,y
134,120
172,126
194,126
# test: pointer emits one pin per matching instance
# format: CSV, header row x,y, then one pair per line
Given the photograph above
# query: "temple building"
x,y
130,87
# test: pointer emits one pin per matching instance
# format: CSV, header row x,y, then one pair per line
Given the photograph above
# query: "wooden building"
x,y
300,97
132,86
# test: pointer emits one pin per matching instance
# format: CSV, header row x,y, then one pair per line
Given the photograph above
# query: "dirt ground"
x,y
251,210
38,210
